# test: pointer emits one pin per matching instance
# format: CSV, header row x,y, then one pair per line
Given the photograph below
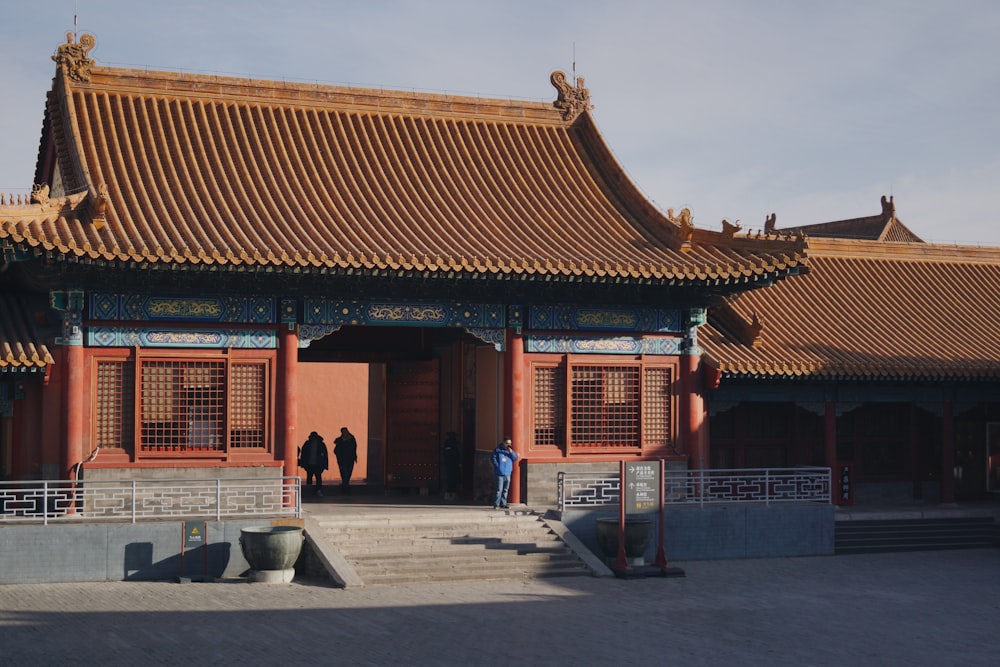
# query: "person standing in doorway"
x,y
452,457
314,458
503,458
346,451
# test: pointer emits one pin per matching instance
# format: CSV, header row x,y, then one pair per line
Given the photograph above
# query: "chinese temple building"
x,y
210,268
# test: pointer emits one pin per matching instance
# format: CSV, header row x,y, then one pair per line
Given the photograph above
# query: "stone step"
x,y
466,571
471,532
894,535
455,545
364,549
404,564
431,523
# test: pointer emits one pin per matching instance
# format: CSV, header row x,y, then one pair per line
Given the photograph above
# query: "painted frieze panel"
x,y
187,338
617,345
139,308
566,318
330,312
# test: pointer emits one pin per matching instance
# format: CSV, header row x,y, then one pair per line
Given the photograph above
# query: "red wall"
x,y
331,396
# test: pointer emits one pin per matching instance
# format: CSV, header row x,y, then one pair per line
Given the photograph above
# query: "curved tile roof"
x,y
20,346
203,170
867,310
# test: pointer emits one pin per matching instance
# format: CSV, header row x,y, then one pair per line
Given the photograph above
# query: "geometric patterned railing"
x,y
45,501
704,487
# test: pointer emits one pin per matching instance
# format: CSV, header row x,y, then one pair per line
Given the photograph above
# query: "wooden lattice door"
x,y
412,438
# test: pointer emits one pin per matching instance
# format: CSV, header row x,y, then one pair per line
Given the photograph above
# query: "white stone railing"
x,y
704,487
45,501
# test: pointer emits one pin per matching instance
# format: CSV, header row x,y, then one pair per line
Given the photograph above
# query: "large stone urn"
x,y
271,552
637,535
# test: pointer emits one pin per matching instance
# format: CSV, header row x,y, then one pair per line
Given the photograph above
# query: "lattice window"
x,y
115,398
549,406
625,405
656,403
247,423
204,406
183,405
604,404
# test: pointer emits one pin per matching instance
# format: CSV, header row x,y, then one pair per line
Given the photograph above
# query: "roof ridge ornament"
x,y
73,58
888,207
572,100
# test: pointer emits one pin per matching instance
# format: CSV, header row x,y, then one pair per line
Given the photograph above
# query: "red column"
x,y
947,453
692,405
73,402
514,421
288,397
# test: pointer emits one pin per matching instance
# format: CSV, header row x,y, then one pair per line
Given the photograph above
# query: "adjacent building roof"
x,y
869,310
145,167
19,346
882,227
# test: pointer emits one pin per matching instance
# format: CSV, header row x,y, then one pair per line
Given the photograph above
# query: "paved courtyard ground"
x,y
928,608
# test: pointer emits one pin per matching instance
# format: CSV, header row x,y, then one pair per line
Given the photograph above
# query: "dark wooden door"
x,y
412,438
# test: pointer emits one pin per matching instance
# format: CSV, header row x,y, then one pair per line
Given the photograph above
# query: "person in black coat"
x,y
314,458
452,457
346,450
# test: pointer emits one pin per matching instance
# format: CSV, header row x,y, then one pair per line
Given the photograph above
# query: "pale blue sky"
x,y
734,108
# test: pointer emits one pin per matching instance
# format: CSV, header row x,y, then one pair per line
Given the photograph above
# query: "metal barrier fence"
x,y
583,490
45,501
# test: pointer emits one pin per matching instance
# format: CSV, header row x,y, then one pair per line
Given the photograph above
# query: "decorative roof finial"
x,y
73,57
888,207
572,100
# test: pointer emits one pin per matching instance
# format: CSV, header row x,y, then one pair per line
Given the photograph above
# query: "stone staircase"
x,y
449,545
885,535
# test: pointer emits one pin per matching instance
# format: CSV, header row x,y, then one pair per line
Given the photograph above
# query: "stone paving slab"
x,y
924,608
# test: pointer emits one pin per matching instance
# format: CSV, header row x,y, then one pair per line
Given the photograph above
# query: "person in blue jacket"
x,y
503,458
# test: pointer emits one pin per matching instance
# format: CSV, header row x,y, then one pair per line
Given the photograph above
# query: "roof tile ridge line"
x,y
905,251
494,176
349,209
543,198
75,227
782,326
463,213
299,226
595,202
249,158
464,143
169,172
262,156
305,182
640,207
406,191
258,237
193,174
101,153
71,129
408,134
231,235
367,204
497,103
233,137
392,219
